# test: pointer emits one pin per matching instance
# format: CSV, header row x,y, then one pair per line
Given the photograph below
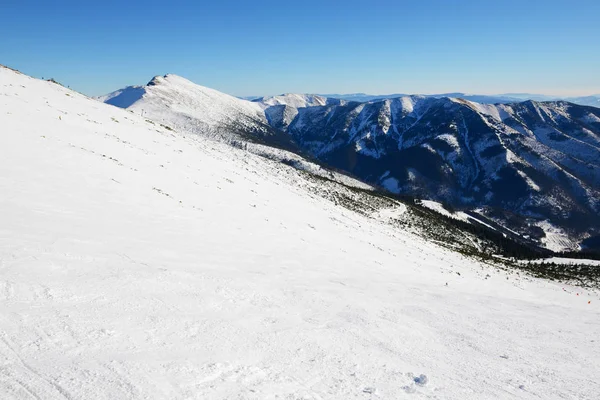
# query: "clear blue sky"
x,y
270,47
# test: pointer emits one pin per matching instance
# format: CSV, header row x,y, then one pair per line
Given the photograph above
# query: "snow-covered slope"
x,y
138,263
180,104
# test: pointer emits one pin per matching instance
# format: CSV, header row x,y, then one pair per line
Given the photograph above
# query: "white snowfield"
x,y
136,263
439,208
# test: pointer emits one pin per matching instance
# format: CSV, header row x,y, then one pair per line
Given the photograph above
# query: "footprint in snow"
x,y
370,390
420,381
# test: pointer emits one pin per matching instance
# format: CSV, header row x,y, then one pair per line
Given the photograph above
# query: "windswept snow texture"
x,y
137,263
439,208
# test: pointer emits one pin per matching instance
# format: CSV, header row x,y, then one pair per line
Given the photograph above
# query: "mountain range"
x,y
592,100
532,167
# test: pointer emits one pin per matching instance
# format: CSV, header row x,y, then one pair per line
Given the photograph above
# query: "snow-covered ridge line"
x,y
183,105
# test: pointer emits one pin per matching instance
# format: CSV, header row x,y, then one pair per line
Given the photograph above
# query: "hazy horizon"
x,y
322,93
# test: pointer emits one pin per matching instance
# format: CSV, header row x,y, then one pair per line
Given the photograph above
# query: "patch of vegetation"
x,y
472,240
578,274
12,69
586,254
54,81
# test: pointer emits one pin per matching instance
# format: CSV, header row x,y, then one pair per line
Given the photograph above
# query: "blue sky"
x,y
271,47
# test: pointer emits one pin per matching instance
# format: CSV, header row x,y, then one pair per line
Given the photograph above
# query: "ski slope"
x,y
140,263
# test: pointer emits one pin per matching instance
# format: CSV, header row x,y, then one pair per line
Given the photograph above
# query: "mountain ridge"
x,y
507,98
538,160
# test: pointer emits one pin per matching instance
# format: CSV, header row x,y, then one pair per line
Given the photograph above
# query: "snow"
x,y
408,103
139,263
486,145
459,215
591,118
428,147
392,213
556,238
361,147
472,218
296,100
529,181
439,208
182,104
486,109
305,165
451,140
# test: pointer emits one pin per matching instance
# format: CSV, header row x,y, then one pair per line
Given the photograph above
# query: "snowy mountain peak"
x,y
183,104
186,88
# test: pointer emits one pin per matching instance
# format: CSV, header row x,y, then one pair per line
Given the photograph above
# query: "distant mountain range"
x,y
506,98
533,167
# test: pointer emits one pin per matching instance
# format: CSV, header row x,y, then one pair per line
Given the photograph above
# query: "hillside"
x,y
141,262
533,167
176,102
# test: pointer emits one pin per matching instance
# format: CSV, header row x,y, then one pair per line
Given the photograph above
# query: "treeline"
x,y
582,254
504,245
580,274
